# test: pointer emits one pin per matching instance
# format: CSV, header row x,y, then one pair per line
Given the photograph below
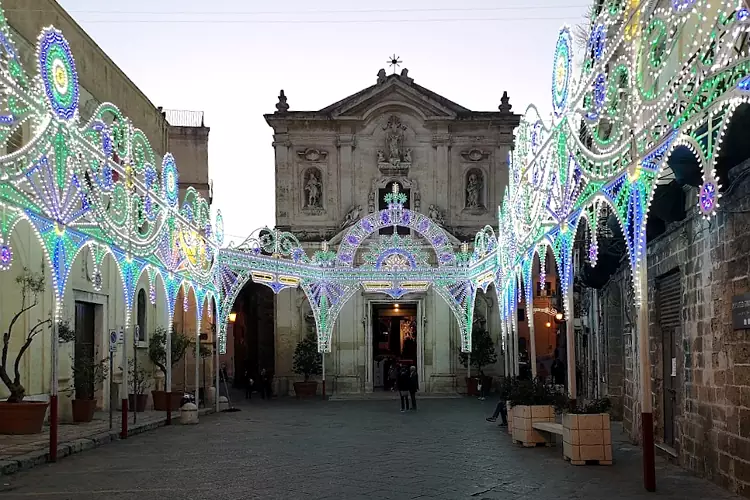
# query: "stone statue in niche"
x,y
313,188
407,155
474,189
352,216
436,215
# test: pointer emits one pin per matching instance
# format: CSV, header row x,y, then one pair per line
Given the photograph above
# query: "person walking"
x,y
402,383
413,387
392,376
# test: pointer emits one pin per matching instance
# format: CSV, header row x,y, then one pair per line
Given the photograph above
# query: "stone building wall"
x,y
712,372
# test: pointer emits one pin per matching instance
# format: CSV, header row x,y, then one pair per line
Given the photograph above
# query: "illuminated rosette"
x,y
6,256
561,72
219,228
708,198
57,71
169,180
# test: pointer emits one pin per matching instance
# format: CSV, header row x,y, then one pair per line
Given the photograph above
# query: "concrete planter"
x,y
510,417
524,417
587,438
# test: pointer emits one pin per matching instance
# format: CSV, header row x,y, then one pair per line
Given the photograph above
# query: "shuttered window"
x,y
668,300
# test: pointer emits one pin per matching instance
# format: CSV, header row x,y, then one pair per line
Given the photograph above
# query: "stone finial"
x,y
505,105
282,106
381,76
405,77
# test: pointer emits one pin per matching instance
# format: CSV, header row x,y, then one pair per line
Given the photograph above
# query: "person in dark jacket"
x,y
413,387
402,384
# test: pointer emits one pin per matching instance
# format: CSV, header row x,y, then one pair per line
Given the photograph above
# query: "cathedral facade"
x,y
334,166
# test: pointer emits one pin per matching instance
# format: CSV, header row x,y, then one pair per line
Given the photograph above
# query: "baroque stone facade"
x,y
333,166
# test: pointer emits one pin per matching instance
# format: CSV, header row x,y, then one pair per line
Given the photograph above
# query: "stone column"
x,y
441,141
346,143
285,198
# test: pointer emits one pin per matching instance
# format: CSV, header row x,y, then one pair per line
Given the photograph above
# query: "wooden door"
x,y
84,347
669,299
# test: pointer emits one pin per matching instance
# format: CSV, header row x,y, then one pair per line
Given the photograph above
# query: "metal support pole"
x,y
514,327
53,415
197,357
168,376
570,346
532,336
216,374
647,417
124,385
136,383
323,363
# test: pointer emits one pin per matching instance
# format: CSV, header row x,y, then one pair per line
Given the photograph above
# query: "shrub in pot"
x,y
139,381
16,415
307,362
87,375
482,354
531,401
157,353
587,434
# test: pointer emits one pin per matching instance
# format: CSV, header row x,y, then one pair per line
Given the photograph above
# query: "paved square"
x,y
349,450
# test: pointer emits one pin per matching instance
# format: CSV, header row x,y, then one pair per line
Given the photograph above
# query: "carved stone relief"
x,y
436,215
313,155
352,216
475,155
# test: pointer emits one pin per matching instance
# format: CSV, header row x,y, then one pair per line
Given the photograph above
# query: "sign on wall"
x,y
741,311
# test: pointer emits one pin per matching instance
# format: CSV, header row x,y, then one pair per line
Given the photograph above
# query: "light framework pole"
x,y
53,409
647,416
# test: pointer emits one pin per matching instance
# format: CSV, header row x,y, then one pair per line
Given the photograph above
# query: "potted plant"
x,y
482,354
87,375
531,402
307,362
157,352
139,380
16,415
587,434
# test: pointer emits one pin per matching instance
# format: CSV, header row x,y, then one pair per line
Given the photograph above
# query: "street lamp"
x,y
559,316
548,324
232,317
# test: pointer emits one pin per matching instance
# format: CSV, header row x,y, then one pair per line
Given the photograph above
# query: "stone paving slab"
x,y
318,450
18,453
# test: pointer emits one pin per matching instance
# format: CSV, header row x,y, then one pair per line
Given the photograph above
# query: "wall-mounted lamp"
x,y
232,317
559,316
548,324
395,306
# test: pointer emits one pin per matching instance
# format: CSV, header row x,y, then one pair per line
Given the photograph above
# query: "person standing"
x,y
413,387
265,384
402,384
248,384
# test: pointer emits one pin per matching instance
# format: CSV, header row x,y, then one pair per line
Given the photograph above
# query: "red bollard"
x,y
53,428
124,431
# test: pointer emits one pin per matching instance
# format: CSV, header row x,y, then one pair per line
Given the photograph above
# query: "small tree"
x,y
139,380
482,349
307,359
157,348
31,286
87,374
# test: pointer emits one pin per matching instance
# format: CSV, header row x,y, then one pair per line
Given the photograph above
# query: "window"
x,y
521,315
141,315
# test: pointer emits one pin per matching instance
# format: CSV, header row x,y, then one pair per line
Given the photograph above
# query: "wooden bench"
x,y
548,430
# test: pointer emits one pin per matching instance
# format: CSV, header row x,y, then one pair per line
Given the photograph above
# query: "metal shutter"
x,y
668,300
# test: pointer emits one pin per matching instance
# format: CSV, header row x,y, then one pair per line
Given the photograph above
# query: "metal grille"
x,y
669,300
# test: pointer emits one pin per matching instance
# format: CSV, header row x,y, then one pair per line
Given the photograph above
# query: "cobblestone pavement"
x,y
342,450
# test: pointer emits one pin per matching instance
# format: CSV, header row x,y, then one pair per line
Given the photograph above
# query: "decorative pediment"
x,y
394,92
475,155
312,155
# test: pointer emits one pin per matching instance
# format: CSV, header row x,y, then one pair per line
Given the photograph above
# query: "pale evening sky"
x,y
229,58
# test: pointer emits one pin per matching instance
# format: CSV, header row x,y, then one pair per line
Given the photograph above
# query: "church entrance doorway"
x,y
395,341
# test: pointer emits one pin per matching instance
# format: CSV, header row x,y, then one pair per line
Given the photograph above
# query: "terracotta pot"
x,y
137,403
164,400
83,410
22,418
306,389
